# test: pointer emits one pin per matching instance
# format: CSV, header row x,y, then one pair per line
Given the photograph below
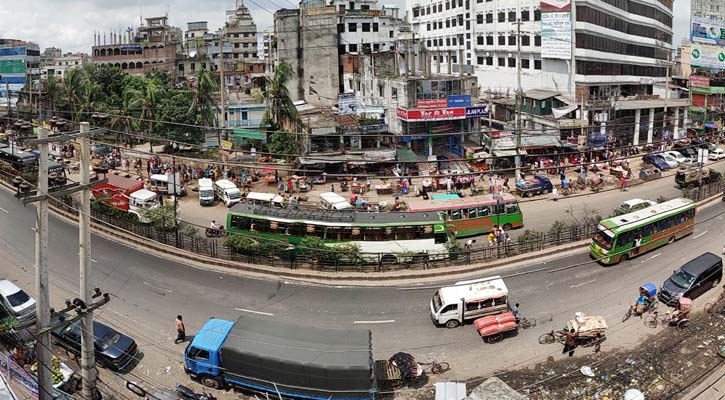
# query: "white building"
x,y
57,67
194,37
713,9
363,25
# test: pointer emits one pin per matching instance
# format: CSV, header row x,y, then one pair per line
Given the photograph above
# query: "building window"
x,y
376,47
454,41
512,40
427,26
489,18
365,7
352,48
454,59
479,60
427,10
512,62
448,5
502,40
501,16
236,45
489,61
453,22
428,43
193,67
448,23
479,40
340,28
524,15
394,93
525,64
440,7
479,18
448,41
537,41
489,40
537,15
390,34
375,26
501,62
526,40
512,16
352,27
366,27
537,64
381,90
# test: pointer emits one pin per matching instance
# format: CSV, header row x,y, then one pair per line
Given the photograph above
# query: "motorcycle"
x,y
187,394
221,232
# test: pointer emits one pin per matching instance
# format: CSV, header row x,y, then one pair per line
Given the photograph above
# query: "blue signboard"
x,y
461,100
477,112
12,51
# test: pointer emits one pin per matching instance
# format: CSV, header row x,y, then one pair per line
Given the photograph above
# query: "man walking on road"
x,y
180,330
570,343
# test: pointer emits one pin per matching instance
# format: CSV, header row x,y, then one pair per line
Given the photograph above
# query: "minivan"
x,y
692,279
17,302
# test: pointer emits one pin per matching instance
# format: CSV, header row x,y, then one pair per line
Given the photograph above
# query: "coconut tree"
x,y
73,90
146,100
122,117
54,90
203,104
281,112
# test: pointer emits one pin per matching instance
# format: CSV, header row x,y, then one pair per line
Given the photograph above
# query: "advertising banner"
x,y
432,103
699,81
556,29
348,104
462,100
12,66
710,31
430,114
477,112
708,56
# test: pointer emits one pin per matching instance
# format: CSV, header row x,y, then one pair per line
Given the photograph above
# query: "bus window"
x,y
456,215
240,222
604,238
333,233
346,234
440,238
405,233
512,208
473,212
296,229
483,211
262,225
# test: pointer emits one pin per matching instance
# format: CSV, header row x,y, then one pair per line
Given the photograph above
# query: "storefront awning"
x,y
249,134
561,112
405,155
508,152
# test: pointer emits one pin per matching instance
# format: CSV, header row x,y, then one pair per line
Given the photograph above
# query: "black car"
x,y
693,279
113,349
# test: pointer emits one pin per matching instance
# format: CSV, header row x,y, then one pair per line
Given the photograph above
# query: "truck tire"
x,y
210,382
450,324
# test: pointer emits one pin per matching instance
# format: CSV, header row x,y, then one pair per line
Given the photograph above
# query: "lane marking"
x,y
4,210
418,286
582,284
385,321
158,288
697,236
255,312
93,261
654,256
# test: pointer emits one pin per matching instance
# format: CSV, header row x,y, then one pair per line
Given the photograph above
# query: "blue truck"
x,y
538,185
270,356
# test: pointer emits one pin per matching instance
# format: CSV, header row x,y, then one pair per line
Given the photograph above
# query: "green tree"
x,y
282,142
146,100
178,111
203,104
73,91
281,112
122,117
54,90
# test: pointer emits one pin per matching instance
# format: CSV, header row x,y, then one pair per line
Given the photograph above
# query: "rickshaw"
x,y
589,330
646,302
677,318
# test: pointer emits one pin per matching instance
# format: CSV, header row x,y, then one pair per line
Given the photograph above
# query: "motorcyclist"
x,y
213,226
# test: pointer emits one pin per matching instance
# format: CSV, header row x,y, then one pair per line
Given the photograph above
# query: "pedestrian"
x,y
515,311
598,343
332,188
501,234
554,194
180,330
368,183
570,343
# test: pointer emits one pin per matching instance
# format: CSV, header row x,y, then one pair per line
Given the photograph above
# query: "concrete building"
x,y
19,64
49,54
712,9
365,27
244,119
608,56
58,66
194,38
241,32
153,46
267,40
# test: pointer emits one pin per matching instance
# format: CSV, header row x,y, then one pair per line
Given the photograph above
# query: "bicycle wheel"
x,y
528,323
439,367
627,314
547,338
651,321
683,324
709,308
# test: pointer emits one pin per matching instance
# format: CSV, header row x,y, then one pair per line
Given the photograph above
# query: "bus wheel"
x,y
672,240
624,257
507,227
452,324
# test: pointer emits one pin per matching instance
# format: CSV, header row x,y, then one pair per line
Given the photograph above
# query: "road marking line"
x,y
386,321
4,210
255,312
654,256
697,236
93,260
156,287
582,284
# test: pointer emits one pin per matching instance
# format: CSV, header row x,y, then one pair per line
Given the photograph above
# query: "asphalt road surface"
x,y
148,292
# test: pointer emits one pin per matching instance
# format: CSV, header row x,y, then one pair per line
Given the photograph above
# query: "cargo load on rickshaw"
x,y
587,325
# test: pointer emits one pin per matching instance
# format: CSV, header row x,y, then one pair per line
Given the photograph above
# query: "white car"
x,y
716,154
17,302
635,204
676,155
670,160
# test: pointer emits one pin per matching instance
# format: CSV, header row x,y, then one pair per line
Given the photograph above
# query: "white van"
x,y
333,201
466,300
265,199
227,192
206,192
165,183
140,201
18,303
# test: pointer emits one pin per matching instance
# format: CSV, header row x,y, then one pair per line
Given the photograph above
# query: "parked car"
x,y
716,154
686,150
635,204
704,144
113,349
17,302
692,279
691,163
671,161
657,161
677,156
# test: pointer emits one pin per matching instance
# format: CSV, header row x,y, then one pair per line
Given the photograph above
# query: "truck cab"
x,y
202,358
140,201
467,300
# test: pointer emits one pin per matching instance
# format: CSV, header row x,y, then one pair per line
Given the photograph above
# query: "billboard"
x,y
432,103
699,81
16,66
710,31
477,112
556,29
436,114
459,100
707,56
348,104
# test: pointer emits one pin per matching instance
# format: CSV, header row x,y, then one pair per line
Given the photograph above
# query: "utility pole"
x,y
221,89
88,362
667,93
519,93
42,308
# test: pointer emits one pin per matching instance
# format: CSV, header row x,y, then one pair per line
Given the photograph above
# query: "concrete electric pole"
x,y
221,89
42,308
519,95
88,362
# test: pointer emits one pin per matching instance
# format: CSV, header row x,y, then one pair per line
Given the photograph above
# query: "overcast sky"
x,y
69,24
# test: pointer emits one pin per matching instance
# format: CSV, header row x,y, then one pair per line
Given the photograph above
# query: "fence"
x,y
330,260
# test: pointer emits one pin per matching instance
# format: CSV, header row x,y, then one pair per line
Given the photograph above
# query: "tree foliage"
x,y
282,142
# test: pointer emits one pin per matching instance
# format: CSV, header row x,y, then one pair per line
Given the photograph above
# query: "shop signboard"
x,y
556,29
432,103
572,123
710,31
438,114
699,81
348,104
461,100
708,56
12,66
477,112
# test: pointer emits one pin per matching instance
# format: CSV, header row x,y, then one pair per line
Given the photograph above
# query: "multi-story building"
x,y
194,38
364,27
153,46
267,40
593,52
49,54
241,32
19,64
712,9
58,66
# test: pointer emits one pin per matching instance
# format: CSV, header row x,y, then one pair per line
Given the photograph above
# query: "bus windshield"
x,y
604,238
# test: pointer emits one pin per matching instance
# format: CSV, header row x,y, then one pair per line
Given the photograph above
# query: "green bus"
x,y
657,225
477,215
385,234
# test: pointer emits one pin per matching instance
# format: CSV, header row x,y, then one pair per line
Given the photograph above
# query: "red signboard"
x,y
432,103
431,114
699,81
495,134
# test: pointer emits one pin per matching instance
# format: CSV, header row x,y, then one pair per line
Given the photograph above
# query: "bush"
x,y
527,240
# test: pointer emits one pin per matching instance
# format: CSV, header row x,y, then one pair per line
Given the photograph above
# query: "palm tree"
x,y
146,100
281,112
54,89
73,88
122,118
203,104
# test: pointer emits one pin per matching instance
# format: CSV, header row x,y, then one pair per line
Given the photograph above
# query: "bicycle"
x,y
552,337
526,323
435,367
655,319
632,311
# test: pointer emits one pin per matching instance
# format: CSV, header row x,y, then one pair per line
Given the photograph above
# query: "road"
x,y
148,292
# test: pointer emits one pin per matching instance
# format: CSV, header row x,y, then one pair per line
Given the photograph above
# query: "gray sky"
x,y
69,24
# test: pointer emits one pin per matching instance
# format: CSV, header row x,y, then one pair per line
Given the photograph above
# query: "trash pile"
x,y
664,366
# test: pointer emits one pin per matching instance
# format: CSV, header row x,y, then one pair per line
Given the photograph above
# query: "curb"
x,y
348,279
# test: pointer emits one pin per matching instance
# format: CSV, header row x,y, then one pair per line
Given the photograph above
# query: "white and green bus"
x,y
657,225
